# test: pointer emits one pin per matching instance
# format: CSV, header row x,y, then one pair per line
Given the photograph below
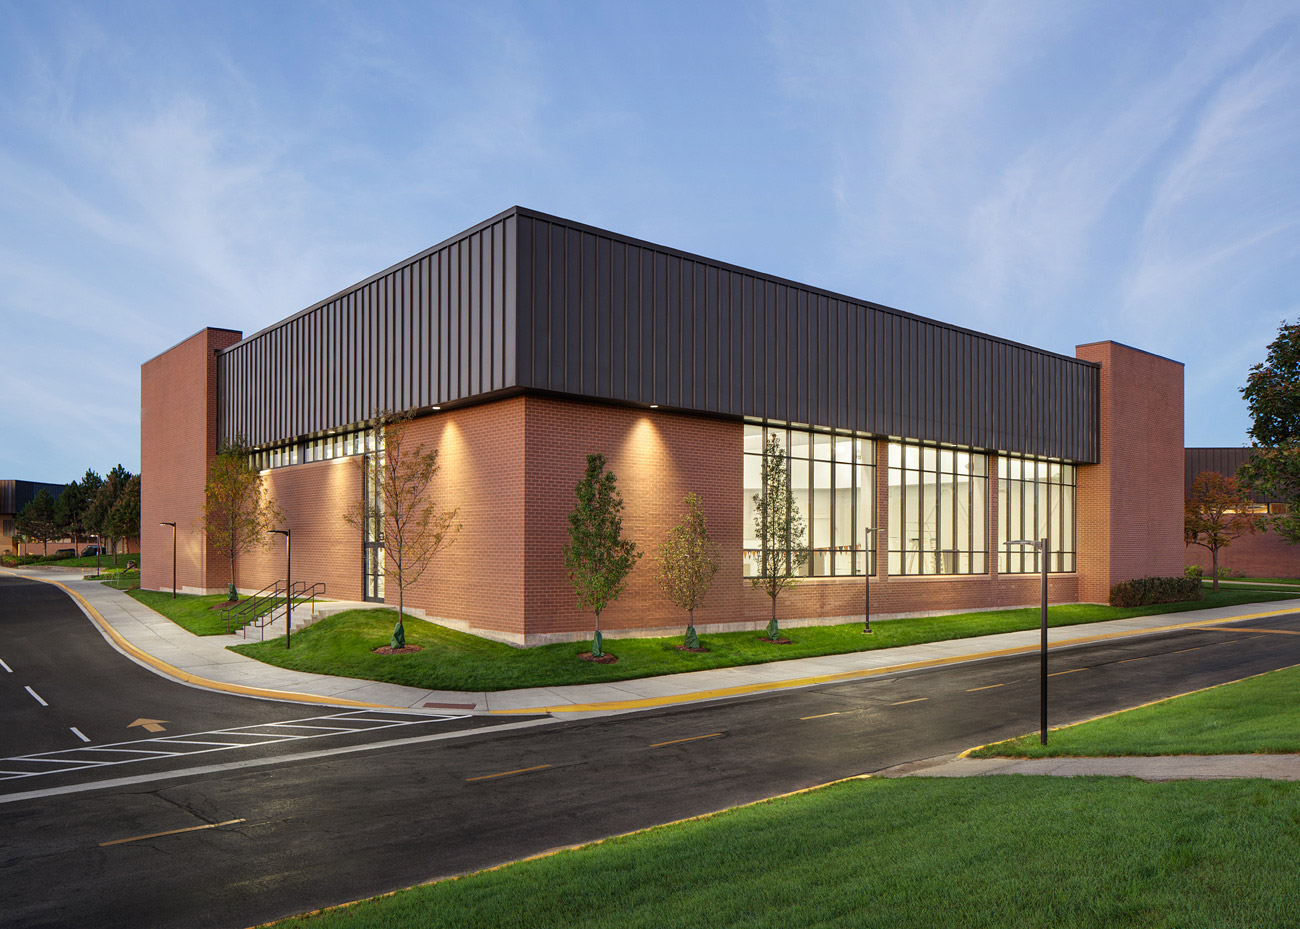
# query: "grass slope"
x,y
976,853
1259,714
453,660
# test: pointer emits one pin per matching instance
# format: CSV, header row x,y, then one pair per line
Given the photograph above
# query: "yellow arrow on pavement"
x,y
150,725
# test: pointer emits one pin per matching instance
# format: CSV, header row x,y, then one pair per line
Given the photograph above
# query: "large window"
x,y
832,477
938,510
1035,501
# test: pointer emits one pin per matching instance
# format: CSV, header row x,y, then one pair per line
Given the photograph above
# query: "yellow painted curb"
x,y
551,852
178,674
742,689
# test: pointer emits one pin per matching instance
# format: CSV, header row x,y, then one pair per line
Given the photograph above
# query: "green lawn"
x,y
191,612
1293,581
453,660
916,853
1259,714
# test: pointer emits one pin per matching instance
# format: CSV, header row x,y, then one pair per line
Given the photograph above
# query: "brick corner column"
x,y
1130,503
178,438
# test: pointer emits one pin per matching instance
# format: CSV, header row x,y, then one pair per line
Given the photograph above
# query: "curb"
x,y
186,677
743,689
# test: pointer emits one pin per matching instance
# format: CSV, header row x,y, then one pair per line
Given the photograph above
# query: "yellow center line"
x,y
821,715
1192,649
711,735
1071,671
488,777
985,687
1126,660
154,835
914,700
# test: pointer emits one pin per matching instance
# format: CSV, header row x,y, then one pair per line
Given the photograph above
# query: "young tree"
x,y
1216,512
37,520
686,562
779,527
597,557
237,511
124,520
415,530
1272,395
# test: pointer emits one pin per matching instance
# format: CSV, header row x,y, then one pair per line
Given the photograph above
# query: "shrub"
x,y
1193,570
1142,591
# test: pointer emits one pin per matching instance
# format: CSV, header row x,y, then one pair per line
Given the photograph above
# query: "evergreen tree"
x,y
37,520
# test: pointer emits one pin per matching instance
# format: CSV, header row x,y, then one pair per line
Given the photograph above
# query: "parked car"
x,y
93,550
65,552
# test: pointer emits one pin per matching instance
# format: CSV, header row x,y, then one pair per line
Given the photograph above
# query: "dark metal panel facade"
x,y
1224,461
436,328
531,301
681,331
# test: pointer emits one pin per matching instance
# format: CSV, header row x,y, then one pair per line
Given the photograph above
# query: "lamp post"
x,y
288,582
1041,547
173,525
866,597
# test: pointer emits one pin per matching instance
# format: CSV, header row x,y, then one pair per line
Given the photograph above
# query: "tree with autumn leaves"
x,y
396,505
685,564
1215,513
237,511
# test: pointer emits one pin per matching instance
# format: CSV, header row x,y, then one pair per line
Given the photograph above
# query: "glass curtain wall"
x,y
938,510
832,478
1036,500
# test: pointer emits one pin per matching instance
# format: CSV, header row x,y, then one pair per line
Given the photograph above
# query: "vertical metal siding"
x,y
438,327
535,302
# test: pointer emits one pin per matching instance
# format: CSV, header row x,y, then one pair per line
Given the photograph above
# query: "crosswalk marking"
x,y
200,743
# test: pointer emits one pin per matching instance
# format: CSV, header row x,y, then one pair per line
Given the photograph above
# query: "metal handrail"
x,y
299,594
248,610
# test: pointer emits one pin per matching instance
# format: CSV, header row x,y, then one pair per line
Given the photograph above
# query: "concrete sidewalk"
x,y
1147,768
155,641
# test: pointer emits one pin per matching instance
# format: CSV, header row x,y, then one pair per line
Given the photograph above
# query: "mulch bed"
x,y
763,638
226,605
404,650
683,648
602,659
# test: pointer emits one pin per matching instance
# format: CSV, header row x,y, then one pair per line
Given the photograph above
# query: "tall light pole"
x,y
173,525
288,581
1041,547
866,598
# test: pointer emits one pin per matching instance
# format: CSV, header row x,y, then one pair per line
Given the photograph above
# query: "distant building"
x,y
528,341
14,495
1263,554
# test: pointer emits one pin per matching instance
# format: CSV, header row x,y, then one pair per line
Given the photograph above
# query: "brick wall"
x,y
178,438
1264,554
1131,501
658,458
313,498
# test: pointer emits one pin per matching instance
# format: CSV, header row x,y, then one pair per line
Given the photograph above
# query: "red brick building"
x,y
528,341
1261,554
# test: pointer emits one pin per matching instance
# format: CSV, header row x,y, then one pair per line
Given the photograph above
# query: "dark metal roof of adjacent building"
x,y
1225,461
530,302
14,495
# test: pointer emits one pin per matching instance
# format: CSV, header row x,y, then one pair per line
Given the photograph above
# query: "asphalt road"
x,y
269,831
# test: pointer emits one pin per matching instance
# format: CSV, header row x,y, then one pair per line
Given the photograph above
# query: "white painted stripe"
x,y
36,695
79,734
263,762
5,666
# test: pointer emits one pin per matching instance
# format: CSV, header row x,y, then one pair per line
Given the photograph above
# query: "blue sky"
x,y
1054,173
